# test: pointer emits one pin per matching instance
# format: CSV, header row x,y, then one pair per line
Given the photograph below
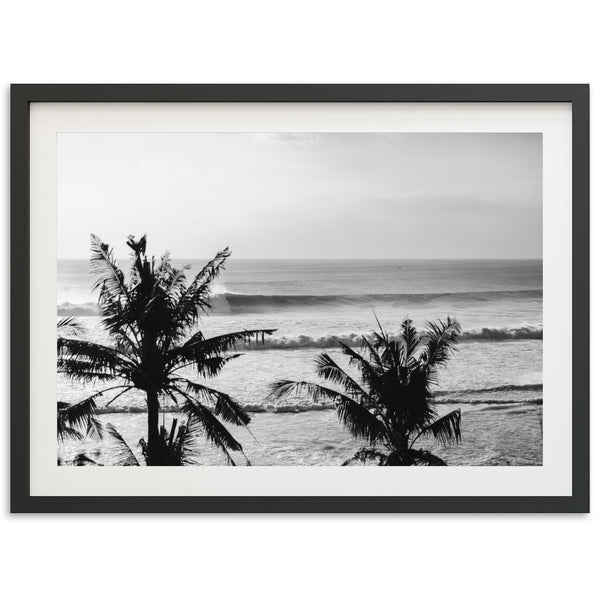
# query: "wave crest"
x,y
491,334
251,303
525,332
232,303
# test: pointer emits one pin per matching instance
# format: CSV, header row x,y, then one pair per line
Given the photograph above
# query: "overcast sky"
x,y
325,195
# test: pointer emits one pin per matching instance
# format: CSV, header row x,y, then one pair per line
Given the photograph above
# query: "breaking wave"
x,y
525,332
228,302
490,334
509,387
483,334
253,303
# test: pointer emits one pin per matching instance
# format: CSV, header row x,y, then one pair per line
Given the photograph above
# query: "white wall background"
x,y
402,556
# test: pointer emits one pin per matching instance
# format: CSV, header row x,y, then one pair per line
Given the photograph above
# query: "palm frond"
x,y
329,370
410,338
224,406
99,356
201,346
209,272
445,430
115,297
83,371
109,278
216,433
189,434
205,366
196,297
65,432
172,281
125,455
119,320
78,416
372,349
440,338
369,371
360,421
357,418
69,325
126,389
285,388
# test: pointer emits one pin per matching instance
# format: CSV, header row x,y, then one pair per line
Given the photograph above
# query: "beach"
x,y
492,435
495,377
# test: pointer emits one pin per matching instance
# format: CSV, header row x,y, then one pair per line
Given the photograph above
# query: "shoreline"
x,y
509,436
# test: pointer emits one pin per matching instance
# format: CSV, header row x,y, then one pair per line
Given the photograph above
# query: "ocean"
x,y
495,376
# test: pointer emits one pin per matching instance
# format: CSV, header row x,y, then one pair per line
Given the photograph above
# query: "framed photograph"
x,y
300,298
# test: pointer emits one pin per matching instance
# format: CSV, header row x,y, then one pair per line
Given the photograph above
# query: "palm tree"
x,y
151,320
389,404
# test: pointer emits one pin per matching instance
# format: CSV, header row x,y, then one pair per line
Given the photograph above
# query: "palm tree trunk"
x,y
153,457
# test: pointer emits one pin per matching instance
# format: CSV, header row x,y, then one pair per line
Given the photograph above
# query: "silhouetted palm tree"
x,y
150,320
389,404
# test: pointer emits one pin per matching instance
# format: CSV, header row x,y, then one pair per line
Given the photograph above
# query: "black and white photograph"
x,y
299,299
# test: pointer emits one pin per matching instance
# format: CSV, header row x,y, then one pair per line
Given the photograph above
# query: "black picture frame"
x,y
22,95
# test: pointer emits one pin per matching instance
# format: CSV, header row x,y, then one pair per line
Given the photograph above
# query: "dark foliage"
x,y
390,403
151,318
73,419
